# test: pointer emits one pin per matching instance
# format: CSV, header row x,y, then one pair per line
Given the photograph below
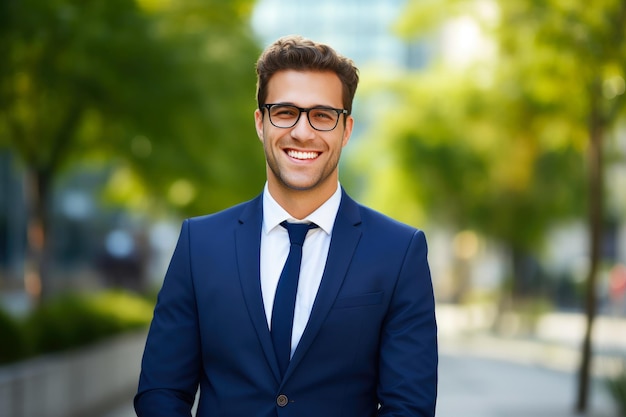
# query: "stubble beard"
x,y
283,180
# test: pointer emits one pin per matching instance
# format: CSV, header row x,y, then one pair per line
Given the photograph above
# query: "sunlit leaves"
x,y
163,89
489,144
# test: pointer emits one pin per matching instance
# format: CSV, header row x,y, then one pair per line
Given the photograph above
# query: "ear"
x,y
347,131
258,123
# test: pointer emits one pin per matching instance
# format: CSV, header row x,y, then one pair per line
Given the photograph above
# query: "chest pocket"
x,y
361,300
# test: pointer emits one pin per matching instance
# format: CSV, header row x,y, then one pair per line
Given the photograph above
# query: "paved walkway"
x,y
472,386
485,376
475,386
124,409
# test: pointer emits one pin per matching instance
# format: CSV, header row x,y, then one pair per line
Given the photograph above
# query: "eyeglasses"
x,y
285,116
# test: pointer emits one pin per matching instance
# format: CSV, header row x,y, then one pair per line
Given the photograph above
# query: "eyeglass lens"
x,y
285,116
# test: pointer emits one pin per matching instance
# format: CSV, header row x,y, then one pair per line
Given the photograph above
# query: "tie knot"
x,y
297,231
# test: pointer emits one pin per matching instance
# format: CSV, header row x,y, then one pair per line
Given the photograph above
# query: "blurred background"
x,y
497,127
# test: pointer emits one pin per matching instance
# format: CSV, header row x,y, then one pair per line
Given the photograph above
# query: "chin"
x,y
300,187
303,185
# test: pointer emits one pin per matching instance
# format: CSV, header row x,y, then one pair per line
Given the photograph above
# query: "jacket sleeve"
x,y
171,362
408,351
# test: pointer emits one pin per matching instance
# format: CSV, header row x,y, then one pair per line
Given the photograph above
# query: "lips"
x,y
308,155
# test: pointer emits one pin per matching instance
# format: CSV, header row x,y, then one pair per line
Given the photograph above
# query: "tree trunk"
x,y
596,196
35,274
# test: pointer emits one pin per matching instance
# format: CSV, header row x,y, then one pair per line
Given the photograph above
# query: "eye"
x,y
285,112
323,114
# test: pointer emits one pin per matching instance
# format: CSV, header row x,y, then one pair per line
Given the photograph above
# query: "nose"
x,y
303,130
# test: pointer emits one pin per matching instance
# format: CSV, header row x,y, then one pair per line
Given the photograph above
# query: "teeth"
x,y
302,155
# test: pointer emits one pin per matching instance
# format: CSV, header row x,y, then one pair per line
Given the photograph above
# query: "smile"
x,y
302,155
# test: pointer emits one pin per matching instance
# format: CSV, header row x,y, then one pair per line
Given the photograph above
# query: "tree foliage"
x,y
167,88
515,141
161,93
496,146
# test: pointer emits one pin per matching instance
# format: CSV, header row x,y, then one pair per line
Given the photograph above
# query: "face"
x,y
300,158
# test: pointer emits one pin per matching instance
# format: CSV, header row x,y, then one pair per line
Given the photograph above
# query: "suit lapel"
x,y
248,242
345,237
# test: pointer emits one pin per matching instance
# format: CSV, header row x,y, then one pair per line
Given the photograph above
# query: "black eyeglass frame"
x,y
301,110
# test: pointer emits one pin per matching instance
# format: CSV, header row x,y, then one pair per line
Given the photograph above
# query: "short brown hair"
x,y
294,52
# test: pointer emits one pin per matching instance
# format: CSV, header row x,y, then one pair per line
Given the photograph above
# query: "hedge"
x,y
70,321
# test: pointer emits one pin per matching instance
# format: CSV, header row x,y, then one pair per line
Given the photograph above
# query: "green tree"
x,y
499,146
464,154
160,92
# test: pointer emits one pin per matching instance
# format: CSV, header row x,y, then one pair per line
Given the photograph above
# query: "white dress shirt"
x,y
275,248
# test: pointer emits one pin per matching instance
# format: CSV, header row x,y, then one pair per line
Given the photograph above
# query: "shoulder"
x,y
228,217
395,234
373,217
373,220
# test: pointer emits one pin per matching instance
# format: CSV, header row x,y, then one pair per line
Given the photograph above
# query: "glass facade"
x,y
359,29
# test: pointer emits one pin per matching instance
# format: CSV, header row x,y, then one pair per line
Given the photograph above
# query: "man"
x,y
361,339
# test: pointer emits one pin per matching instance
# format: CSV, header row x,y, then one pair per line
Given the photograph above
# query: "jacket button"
x,y
282,400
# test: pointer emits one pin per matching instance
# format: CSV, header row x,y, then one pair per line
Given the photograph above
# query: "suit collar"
x,y
344,240
248,246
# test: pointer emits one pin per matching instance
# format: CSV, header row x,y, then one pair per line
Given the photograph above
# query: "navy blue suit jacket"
x,y
369,348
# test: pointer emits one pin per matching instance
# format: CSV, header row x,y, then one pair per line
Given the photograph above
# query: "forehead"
x,y
305,88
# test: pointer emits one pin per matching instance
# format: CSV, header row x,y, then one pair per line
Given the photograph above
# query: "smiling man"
x,y
302,153
300,302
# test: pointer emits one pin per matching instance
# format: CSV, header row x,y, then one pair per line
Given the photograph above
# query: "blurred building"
x,y
359,29
91,244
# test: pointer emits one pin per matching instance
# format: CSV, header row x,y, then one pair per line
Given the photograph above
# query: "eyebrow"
x,y
326,106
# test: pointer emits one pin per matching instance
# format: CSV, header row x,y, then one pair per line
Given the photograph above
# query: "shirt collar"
x,y
324,216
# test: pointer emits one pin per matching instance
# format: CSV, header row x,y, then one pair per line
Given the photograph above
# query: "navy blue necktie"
x,y
285,297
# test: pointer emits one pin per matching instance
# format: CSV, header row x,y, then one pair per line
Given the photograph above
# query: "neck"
x,y
300,203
